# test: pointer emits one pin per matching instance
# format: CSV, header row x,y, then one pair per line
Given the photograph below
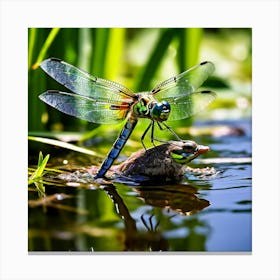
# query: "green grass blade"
x,y
181,51
99,53
155,59
64,145
45,47
189,47
85,48
116,41
193,38
32,32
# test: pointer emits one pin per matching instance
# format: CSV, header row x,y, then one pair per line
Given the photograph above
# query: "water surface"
x,y
203,213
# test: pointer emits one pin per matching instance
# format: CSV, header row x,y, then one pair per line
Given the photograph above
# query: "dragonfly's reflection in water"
x,y
141,232
180,198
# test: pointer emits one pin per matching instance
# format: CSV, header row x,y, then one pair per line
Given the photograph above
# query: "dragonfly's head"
x,y
160,111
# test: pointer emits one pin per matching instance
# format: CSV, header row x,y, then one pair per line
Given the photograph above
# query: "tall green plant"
x,y
189,42
100,51
155,59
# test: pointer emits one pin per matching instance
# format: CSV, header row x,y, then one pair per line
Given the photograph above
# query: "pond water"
x,y
202,214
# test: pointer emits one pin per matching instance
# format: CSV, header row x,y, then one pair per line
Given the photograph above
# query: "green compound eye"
x,y
161,111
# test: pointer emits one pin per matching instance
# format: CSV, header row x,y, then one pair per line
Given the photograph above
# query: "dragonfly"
x,y
106,102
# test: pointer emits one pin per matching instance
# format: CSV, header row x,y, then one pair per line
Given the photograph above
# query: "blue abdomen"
x,y
117,147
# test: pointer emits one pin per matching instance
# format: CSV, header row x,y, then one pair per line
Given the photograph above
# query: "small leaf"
x,y
42,162
42,165
40,159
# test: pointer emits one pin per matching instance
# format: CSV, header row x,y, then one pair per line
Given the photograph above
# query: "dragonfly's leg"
x,y
172,131
157,224
159,140
152,134
160,127
154,229
151,222
144,222
144,134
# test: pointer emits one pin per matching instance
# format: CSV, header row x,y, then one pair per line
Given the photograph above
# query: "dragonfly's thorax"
x,y
142,108
148,107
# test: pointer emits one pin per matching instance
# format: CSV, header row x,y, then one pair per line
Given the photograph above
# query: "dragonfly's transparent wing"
x,y
82,83
187,105
184,83
86,108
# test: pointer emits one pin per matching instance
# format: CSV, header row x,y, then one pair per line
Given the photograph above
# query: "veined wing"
x,y
86,108
184,83
82,83
187,105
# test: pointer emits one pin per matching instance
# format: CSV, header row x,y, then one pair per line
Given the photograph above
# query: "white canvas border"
x,y
262,16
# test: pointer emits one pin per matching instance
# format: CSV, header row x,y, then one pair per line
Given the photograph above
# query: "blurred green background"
x,y
139,58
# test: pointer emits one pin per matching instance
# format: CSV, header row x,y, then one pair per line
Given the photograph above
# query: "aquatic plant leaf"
x,y
42,162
